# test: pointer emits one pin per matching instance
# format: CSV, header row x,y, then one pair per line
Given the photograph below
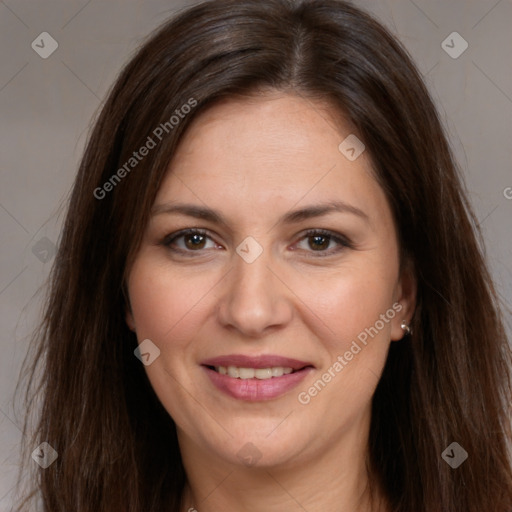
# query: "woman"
x,y
269,294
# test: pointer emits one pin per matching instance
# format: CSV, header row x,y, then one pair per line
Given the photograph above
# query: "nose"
x,y
254,300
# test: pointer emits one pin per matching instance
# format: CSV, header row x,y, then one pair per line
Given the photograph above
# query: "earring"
x,y
406,328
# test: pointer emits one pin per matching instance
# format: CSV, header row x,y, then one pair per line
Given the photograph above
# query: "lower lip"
x,y
256,389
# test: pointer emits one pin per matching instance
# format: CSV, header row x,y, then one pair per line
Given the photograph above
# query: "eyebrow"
x,y
292,217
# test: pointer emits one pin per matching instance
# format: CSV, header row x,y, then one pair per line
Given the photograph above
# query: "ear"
x,y
405,301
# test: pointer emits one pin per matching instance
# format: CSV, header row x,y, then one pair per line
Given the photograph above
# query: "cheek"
x,y
352,318
350,301
166,304
168,309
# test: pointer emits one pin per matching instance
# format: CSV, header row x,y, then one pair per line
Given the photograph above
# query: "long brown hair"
x,y
451,381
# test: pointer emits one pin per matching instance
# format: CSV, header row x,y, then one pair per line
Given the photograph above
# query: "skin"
x,y
254,160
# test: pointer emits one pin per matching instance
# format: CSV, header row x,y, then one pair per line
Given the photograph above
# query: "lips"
x,y
255,389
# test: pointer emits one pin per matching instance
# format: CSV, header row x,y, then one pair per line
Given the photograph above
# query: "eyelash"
x,y
342,241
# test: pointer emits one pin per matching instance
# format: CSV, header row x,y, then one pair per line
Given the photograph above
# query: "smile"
x,y
236,372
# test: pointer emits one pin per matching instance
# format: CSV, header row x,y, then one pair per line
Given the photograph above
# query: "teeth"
x,y
233,371
246,373
263,373
251,373
277,371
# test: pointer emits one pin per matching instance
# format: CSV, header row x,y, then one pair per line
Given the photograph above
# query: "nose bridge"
x,y
253,299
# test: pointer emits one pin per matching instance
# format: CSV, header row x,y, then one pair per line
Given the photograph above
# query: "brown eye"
x,y
324,243
194,241
319,242
189,240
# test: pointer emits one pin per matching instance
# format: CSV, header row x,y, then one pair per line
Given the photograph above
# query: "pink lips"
x,y
256,389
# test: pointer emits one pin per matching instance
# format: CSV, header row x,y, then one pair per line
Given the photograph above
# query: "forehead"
x,y
264,151
269,130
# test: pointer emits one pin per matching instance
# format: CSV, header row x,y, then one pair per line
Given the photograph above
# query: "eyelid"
x,y
342,241
168,239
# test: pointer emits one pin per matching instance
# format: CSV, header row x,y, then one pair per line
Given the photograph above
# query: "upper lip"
x,y
261,361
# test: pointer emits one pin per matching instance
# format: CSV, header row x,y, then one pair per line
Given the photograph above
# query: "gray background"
x,y
46,106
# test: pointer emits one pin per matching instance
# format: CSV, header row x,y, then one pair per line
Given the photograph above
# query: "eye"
x,y
319,241
189,240
324,242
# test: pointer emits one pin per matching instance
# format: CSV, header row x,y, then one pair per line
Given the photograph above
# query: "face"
x,y
268,279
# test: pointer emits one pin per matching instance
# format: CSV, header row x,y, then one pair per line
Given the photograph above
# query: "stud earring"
x,y
406,328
